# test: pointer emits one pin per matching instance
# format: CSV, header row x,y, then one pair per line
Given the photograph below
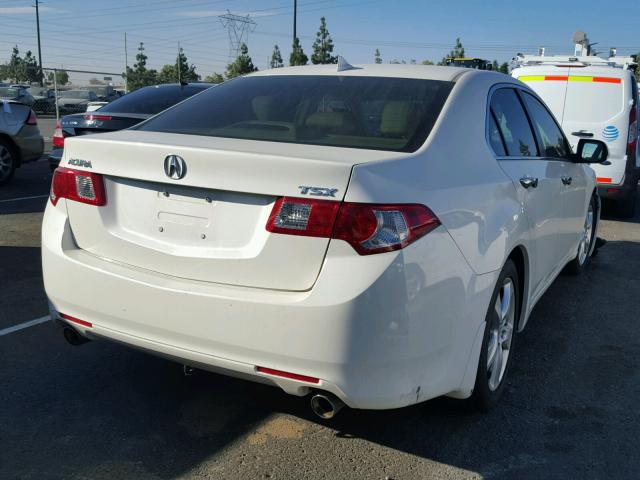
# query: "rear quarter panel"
x,y
457,176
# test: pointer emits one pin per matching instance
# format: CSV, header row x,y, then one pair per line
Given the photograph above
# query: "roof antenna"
x,y
344,65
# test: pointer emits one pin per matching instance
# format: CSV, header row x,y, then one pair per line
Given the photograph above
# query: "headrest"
x,y
262,107
399,119
335,121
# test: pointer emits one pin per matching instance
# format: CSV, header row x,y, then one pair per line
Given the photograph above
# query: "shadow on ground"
x,y
104,411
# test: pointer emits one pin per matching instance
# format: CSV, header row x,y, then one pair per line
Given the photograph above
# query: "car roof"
x,y
425,72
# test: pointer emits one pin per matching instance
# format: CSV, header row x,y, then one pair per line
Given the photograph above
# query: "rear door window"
x,y
593,99
513,123
495,137
395,114
550,137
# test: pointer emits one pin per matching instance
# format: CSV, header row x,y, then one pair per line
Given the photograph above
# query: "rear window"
x,y
593,101
394,114
152,100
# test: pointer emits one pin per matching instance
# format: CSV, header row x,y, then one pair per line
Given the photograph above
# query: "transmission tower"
x,y
239,27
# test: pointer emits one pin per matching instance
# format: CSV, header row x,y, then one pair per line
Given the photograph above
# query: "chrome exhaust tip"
x,y
326,405
73,337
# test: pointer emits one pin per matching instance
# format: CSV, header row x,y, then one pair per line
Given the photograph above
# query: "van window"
x,y
395,114
513,123
550,137
593,102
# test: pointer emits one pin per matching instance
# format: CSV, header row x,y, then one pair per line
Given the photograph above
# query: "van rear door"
x,y
597,106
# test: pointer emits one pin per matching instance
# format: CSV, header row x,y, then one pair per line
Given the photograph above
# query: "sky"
x,y
89,34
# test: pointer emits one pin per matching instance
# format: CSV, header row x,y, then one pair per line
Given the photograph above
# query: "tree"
x,y
139,76
180,71
215,78
96,81
504,68
242,65
32,72
167,74
427,62
61,77
495,66
276,58
323,46
377,57
457,52
187,72
15,67
297,56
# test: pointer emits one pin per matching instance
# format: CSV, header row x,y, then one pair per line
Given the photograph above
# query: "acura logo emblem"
x,y
175,167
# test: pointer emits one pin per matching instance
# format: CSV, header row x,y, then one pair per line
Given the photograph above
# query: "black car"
x,y
122,113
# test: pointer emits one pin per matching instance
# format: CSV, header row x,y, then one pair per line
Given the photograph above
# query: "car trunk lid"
x,y
210,225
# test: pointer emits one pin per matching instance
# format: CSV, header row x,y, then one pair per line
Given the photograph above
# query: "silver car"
x,y
17,93
20,138
75,101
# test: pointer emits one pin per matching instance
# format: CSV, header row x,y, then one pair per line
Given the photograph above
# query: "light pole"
x,y
295,17
39,50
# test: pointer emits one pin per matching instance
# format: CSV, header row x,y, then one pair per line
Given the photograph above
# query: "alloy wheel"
x,y
501,334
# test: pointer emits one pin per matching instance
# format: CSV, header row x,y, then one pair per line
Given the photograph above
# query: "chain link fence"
x,y
82,91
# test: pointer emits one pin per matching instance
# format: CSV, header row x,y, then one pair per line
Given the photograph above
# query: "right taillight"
x,y
32,119
79,186
58,137
368,228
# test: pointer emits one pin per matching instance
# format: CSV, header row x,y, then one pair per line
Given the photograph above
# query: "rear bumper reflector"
x,y
293,376
76,320
603,180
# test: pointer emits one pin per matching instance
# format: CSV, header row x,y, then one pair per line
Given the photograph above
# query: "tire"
x,y
586,246
8,162
499,341
626,207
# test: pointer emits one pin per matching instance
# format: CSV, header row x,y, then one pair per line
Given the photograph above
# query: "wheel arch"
x,y
13,145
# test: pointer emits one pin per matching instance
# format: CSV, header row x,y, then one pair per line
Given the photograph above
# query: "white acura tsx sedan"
x,y
374,236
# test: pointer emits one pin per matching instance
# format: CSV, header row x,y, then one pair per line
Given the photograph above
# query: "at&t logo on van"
x,y
610,133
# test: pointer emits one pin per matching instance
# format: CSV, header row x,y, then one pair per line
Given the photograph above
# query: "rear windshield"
x,y
593,101
152,100
394,114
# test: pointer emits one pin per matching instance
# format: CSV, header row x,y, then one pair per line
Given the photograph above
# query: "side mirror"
x,y
592,151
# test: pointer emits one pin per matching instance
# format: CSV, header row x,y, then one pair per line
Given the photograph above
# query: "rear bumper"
x,y
619,191
54,157
618,180
391,335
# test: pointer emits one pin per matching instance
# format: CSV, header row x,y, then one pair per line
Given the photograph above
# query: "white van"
x,y
593,98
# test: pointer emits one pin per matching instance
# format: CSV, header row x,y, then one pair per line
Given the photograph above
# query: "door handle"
x,y
583,134
529,182
567,180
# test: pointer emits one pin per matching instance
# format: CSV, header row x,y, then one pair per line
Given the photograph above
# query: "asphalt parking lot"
x,y
104,411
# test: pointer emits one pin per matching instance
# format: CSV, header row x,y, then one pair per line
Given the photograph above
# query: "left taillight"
x,y
32,119
368,228
79,186
58,136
